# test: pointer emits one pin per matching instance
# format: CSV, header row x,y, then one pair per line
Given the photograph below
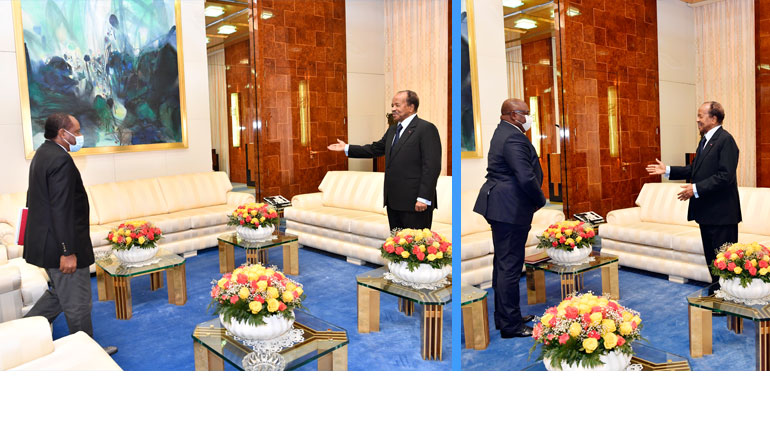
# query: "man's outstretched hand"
x,y
339,146
656,169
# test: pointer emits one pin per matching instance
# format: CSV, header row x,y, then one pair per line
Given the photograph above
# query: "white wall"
x,y
676,66
14,168
365,40
493,83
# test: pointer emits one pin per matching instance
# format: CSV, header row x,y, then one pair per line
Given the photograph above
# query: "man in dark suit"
x,y
713,193
57,237
508,200
412,150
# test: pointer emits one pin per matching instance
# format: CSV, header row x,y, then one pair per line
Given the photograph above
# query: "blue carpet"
x,y
663,307
158,336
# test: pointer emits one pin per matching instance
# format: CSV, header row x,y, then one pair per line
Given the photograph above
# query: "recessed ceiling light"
x,y
213,11
227,29
266,15
512,3
525,23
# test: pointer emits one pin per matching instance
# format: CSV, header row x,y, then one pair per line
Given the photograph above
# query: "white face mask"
x,y
78,142
527,123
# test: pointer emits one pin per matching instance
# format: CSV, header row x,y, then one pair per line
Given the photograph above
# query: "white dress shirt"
x,y
709,134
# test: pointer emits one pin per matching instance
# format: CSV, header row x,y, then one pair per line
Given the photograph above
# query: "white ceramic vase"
x,y
250,234
135,254
613,361
576,255
755,290
274,326
424,274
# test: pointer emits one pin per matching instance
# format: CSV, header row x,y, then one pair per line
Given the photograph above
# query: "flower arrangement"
x,y
745,262
567,235
582,328
129,235
252,293
417,246
254,215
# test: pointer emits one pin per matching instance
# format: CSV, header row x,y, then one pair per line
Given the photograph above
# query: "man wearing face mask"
x,y
57,237
508,201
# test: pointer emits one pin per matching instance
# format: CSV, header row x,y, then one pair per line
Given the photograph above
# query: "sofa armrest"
x,y
14,251
3,254
239,198
24,340
625,216
10,278
310,200
7,234
546,216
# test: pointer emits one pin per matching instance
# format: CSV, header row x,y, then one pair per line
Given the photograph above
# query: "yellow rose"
x,y
299,291
287,297
737,270
141,240
763,271
221,283
584,308
560,313
422,248
405,254
121,231
610,340
272,305
129,240
127,233
590,345
627,316
269,272
436,244
272,292
568,232
579,239
626,329
262,285
254,221
114,238
558,235
431,257
545,234
596,317
547,317
290,286
402,241
754,262
766,258
734,256
720,255
575,329
244,293
608,325
637,320
439,255
603,302
570,241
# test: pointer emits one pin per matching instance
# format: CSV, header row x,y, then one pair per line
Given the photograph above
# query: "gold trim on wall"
x,y
478,153
26,117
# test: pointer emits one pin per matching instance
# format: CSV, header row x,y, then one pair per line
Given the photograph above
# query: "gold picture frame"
x,y
26,113
478,151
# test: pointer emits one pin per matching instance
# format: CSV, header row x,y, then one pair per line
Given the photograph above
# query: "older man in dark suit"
x,y
713,192
508,200
412,150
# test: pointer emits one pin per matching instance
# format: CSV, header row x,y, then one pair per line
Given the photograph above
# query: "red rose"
x,y
621,341
242,222
242,279
390,249
234,299
444,246
554,243
612,305
551,336
753,271
420,256
263,278
109,236
595,309
572,245
562,240
248,219
227,275
633,325
551,310
254,285
721,265
594,334
133,236
747,265
730,266
259,299
226,285
130,227
762,264
571,312
408,238
432,250
399,250
552,322
281,307
564,338
586,318
121,239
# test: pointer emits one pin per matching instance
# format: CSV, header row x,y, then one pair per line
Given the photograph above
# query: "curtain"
x,y
515,72
417,58
218,108
724,65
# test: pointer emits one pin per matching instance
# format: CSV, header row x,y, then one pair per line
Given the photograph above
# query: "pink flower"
x,y
621,341
242,278
594,334
571,312
537,332
564,338
234,299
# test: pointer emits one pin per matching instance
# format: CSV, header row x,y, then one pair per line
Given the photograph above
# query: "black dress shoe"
x,y
111,349
528,318
525,332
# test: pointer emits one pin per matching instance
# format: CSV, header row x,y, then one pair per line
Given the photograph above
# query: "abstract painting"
x,y
470,119
116,65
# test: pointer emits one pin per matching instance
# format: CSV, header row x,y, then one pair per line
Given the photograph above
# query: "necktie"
x,y
701,144
395,139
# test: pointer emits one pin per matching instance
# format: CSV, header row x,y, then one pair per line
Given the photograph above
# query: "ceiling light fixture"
x,y
266,15
512,3
525,23
227,29
213,11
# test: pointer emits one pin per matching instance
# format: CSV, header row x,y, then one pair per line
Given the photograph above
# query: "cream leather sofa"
x,y
190,209
26,344
347,217
656,236
477,248
21,285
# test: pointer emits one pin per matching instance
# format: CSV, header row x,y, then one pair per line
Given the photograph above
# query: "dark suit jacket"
x,y
713,173
512,191
412,169
58,216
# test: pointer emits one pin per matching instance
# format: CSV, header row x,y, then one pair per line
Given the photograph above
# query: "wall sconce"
x,y
612,115
304,114
535,130
235,119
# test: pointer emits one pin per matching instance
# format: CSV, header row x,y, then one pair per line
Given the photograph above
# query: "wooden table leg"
x,y
263,258
476,325
252,256
177,285
368,310
735,324
432,331
226,258
568,285
334,361
610,281
535,286
101,288
291,258
762,333
156,280
405,306
123,306
206,360
700,331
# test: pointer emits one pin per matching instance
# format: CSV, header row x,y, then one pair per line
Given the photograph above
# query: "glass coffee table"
x,y
256,251
371,283
650,358
572,276
475,317
113,280
700,309
324,342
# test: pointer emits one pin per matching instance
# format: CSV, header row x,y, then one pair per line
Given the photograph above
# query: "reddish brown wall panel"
x,y
238,77
762,55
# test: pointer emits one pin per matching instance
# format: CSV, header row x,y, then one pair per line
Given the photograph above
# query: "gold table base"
x,y
259,256
570,283
118,289
476,325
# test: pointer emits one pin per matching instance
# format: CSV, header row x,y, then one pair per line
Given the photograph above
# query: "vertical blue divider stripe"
x,y
457,317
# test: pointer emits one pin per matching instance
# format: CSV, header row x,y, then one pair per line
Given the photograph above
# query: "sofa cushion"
x,y
327,217
188,191
660,205
472,223
372,225
132,199
34,281
77,352
647,233
691,241
208,216
755,210
24,340
476,245
444,191
10,205
354,190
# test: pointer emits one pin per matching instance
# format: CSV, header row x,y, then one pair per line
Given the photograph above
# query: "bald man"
x,y
508,200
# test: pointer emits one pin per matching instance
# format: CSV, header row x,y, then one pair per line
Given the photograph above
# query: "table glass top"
x,y
595,261
321,338
650,358
471,294
701,299
164,259
277,239
374,279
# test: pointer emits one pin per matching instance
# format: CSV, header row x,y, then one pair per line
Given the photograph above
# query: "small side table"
x,y
475,317
572,277
256,251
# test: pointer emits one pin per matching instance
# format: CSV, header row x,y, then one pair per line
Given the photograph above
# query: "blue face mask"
x,y
78,142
